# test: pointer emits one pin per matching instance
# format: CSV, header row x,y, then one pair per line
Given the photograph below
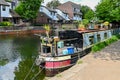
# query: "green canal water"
x,y
17,55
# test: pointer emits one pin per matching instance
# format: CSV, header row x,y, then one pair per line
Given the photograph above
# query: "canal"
x,y
17,56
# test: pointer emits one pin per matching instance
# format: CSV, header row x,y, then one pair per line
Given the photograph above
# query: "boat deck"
x,y
60,52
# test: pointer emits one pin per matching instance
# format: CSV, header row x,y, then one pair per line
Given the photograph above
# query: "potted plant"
x,y
106,24
47,28
81,27
83,24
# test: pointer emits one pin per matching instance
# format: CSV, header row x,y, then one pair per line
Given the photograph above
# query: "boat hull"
x,y
55,65
53,71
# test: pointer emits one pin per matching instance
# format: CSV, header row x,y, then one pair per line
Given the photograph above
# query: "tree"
x,y
28,53
85,10
115,13
53,4
28,9
108,10
89,15
24,67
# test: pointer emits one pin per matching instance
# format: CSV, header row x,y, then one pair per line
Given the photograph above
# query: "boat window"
x,y
98,37
105,35
91,39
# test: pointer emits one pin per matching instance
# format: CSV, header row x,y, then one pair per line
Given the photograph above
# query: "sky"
x,y
90,3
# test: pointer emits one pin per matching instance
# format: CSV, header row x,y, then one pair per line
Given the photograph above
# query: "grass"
x,y
79,62
99,46
59,75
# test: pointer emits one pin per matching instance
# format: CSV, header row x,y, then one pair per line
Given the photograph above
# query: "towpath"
x,y
103,65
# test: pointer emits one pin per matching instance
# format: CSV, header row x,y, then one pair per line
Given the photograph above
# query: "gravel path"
x,y
111,52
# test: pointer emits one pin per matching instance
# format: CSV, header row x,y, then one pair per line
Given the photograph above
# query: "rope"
x,y
37,74
30,70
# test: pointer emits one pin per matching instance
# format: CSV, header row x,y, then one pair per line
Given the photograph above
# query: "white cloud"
x,y
90,3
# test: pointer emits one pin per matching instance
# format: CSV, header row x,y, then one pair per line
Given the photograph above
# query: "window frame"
x,y
3,8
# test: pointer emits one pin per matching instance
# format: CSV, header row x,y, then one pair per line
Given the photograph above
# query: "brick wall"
x,y
41,18
67,7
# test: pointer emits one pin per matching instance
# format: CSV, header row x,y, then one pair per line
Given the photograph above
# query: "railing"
x,y
62,14
47,12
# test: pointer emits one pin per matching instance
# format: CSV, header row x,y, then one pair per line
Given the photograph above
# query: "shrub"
x,y
95,48
101,45
6,23
118,36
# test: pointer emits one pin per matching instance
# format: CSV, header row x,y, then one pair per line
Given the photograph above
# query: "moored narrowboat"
x,y
61,52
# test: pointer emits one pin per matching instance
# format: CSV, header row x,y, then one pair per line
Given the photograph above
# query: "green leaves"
x,y
108,10
28,9
53,4
101,45
88,13
6,24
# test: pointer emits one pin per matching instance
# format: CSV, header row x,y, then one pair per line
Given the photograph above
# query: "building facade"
x,y
72,9
46,15
62,16
65,13
4,10
7,12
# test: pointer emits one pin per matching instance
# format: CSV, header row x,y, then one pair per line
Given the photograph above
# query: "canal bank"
x,y
5,32
103,65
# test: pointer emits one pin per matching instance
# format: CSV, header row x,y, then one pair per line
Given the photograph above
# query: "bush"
x,y
6,23
95,48
118,36
101,45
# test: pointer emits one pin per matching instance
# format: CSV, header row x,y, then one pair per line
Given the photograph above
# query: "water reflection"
x,y
17,55
7,71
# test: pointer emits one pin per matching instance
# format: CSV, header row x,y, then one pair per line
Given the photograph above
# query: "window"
x,y
105,35
50,13
4,8
91,39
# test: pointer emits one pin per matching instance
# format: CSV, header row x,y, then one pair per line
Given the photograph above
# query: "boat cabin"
x,y
67,43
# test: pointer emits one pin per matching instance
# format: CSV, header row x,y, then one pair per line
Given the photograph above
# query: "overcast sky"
x,y
90,3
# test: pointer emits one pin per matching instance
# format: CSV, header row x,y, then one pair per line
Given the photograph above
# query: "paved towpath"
x,y
103,65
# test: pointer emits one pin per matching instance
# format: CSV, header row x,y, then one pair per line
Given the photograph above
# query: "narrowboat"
x,y
58,53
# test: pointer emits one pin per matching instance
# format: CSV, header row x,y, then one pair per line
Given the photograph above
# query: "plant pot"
x,y
81,29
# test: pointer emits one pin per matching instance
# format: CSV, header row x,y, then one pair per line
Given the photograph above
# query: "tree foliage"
x,y
89,15
28,9
87,12
53,4
23,69
108,10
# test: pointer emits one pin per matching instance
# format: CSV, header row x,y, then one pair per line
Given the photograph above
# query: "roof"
x,y
62,11
14,14
60,17
3,2
73,4
50,9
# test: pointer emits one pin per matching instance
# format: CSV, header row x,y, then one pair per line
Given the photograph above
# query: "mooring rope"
x,y
37,74
30,70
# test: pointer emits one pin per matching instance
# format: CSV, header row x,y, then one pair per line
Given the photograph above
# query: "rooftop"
x,y
3,2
